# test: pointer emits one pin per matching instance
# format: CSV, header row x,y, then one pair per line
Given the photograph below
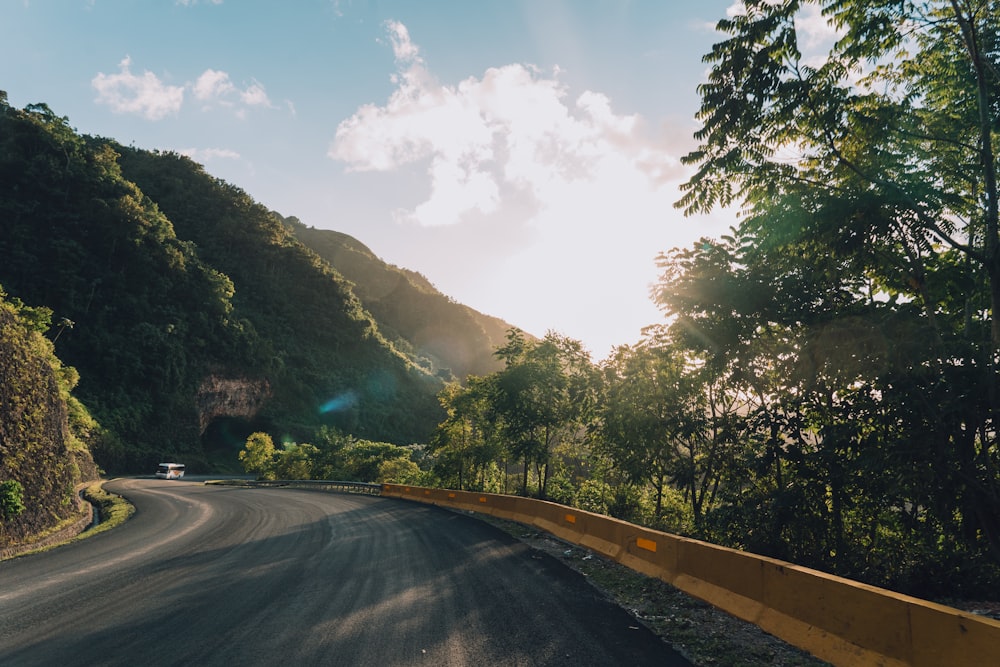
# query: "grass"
x,y
113,510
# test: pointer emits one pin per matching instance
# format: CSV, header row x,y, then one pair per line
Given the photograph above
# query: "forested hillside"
x,y
408,309
191,312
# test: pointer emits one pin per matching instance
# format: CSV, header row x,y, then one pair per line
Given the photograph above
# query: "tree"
x,y
637,410
867,179
400,471
543,399
258,455
295,461
467,443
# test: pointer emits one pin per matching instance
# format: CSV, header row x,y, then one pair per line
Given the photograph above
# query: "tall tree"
x,y
875,161
543,398
467,442
258,455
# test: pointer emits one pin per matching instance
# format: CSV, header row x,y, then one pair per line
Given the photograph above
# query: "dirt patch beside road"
x,y
702,633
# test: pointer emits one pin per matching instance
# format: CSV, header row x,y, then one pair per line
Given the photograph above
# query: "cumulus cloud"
x,y
213,84
402,47
581,192
147,96
513,128
215,87
142,94
254,95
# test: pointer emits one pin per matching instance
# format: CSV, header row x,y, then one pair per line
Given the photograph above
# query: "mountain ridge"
x,y
177,286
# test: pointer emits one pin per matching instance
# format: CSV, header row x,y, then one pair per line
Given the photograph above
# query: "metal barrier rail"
x,y
312,484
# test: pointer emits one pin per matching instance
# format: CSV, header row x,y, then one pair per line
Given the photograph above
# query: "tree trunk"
x,y
524,484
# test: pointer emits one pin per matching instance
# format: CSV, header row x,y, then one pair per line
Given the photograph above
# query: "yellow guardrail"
x,y
836,619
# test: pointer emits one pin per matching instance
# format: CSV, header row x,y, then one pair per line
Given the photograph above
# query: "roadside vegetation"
x,y
112,509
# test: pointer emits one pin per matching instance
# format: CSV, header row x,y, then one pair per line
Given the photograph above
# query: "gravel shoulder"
x,y
703,634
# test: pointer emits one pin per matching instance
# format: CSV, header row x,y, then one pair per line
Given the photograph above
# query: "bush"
x,y
11,498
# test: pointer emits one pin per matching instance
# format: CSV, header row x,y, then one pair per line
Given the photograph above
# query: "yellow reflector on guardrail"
x,y
648,545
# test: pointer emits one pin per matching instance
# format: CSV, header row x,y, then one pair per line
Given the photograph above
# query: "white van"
x,y
170,470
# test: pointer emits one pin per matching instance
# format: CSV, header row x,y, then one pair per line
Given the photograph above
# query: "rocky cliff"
x,y
42,462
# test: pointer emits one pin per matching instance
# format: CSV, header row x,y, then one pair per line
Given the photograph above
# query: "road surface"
x,y
214,575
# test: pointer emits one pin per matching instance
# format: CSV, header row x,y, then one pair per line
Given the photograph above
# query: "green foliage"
x,y
533,411
159,275
431,328
294,461
338,457
44,431
853,312
306,330
258,456
11,498
400,471
114,510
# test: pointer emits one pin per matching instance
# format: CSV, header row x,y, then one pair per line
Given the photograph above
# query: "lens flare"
x,y
343,401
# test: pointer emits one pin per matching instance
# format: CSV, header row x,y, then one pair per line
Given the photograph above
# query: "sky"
x,y
523,155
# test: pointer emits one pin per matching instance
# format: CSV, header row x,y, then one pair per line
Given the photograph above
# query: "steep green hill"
x,y
196,315
44,432
409,309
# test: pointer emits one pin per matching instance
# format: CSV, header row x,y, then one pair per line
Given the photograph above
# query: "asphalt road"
x,y
211,575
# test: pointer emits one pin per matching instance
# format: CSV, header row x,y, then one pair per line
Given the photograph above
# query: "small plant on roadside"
x,y
11,498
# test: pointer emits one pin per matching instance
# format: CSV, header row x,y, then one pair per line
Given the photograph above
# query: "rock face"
x,y
35,436
220,396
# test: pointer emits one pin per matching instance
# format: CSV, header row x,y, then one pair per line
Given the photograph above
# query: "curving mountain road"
x,y
211,575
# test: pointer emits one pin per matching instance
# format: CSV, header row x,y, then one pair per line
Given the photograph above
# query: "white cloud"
x,y
143,94
147,96
513,127
816,33
213,84
255,96
209,154
586,190
216,87
404,49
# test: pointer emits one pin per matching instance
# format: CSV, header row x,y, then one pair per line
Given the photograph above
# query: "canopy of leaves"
x,y
855,305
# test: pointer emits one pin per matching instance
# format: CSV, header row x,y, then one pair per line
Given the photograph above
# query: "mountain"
x,y
194,315
409,310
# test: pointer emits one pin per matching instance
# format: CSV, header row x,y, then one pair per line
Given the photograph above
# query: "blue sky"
x,y
523,155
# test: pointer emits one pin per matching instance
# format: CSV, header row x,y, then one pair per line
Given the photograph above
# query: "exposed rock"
x,y
35,434
230,397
